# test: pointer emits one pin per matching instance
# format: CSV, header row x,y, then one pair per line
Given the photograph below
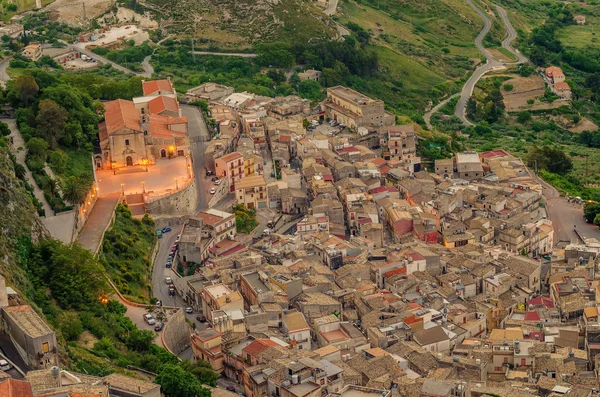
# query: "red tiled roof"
x,y
384,170
533,334
120,114
561,85
231,156
162,103
541,301
379,162
400,270
532,316
415,256
328,178
159,126
259,345
493,153
15,388
349,149
150,87
334,336
285,138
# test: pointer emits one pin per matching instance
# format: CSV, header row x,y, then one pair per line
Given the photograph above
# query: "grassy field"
x,y
581,36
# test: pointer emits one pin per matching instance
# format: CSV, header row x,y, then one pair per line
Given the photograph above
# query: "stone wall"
x,y
176,335
182,202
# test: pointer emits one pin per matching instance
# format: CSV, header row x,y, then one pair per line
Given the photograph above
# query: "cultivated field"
x,y
71,12
524,89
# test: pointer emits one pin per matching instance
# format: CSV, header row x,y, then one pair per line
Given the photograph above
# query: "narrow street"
x,y
199,141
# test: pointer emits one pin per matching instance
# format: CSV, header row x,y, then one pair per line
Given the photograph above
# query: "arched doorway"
x,y
98,161
163,153
129,161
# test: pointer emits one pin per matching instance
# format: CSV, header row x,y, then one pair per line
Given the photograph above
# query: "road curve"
x,y
491,63
437,107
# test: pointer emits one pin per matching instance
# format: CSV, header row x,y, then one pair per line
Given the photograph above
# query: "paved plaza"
x,y
165,176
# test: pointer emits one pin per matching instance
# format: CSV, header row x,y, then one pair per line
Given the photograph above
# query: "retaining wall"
x,y
182,202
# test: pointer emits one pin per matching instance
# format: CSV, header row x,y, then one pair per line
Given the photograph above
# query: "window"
x,y
505,360
46,347
126,142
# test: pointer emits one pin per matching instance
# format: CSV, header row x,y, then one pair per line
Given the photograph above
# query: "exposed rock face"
x,y
18,220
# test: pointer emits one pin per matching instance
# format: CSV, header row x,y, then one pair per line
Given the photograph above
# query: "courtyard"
x,y
164,177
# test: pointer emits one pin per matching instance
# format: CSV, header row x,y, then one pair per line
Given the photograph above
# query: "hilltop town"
x,y
299,198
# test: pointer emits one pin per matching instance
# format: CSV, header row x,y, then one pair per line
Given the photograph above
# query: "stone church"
x,y
144,130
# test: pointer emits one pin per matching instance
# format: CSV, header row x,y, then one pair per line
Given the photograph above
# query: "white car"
x,y
4,365
218,182
213,190
149,319
189,310
168,280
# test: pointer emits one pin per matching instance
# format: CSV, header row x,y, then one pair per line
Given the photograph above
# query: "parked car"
x,y
189,310
4,365
213,190
171,292
547,257
159,233
168,281
158,327
214,179
178,237
149,319
166,230
230,388
168,264
209,173
202,319
158,303
218,182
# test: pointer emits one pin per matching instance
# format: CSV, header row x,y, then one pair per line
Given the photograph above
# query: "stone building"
x,y
355,110
144,130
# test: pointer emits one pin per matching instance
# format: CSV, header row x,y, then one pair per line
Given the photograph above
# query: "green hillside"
x,y
238,23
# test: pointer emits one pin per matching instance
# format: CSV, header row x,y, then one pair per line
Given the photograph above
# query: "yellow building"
x,y
206,346
252,192
355,110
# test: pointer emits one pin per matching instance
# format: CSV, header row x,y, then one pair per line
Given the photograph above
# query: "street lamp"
x,y
123,188
143,187
176,185
114,167
145,162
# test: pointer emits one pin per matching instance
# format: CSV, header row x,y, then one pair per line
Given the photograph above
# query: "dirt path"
x,y
437,107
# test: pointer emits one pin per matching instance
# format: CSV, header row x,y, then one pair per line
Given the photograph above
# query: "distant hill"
x,y
238,22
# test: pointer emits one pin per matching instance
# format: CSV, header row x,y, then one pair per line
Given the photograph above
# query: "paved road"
x,y
160,272
566,217
81,48
226,54
510,36
148,69
437,107
20,155
491,63
197,128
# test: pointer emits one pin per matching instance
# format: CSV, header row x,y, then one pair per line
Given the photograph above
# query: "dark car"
x,y
168,264
230,388
213,179
158,327
202,319
166,229
171,292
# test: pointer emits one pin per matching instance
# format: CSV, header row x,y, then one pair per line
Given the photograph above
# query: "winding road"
x,y
491,63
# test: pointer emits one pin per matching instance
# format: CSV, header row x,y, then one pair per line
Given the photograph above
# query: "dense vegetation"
x,y
245,219
70,289
126,254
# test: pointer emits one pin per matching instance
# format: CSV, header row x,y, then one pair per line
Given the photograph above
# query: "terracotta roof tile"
x,y
15,388
120,114
150,87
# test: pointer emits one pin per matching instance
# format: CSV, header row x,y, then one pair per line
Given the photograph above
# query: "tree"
x,y
51,121
597,220
550,159
591,211
311,90
37,148
174,381
140,340
305,123
59,160
74,191
471,108
524,117
202,370
70,325
26,88
4,130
